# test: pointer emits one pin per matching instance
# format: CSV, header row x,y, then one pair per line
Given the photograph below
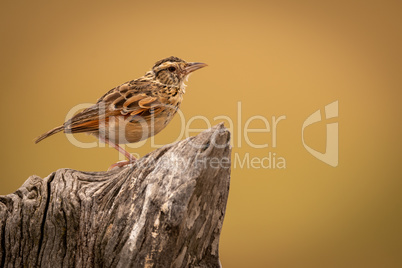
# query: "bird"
x,y
135,110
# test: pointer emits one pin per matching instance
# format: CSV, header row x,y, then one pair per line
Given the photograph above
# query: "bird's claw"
x,y
121,164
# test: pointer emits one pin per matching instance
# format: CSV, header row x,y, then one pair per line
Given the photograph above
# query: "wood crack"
x,y
42,227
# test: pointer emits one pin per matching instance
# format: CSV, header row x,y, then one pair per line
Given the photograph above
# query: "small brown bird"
x,y
135,110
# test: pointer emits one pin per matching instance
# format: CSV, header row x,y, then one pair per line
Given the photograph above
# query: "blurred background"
x,y
275,58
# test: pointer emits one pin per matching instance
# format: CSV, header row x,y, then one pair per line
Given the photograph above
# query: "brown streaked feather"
x,y
115,105
149,96
137,112
134,100
118,103
148,102
49,133
112,97
90,124
114,100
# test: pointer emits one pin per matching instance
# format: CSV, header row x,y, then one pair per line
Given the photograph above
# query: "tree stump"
x,y
167,210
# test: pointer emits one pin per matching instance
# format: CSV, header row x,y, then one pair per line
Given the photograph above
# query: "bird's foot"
x,y
123,163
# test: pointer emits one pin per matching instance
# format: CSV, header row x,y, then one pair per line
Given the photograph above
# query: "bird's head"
x,y
173,71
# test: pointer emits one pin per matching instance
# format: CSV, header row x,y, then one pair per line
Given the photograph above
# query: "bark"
x,y
165,211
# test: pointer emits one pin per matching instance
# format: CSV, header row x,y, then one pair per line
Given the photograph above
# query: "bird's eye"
x,y
172,69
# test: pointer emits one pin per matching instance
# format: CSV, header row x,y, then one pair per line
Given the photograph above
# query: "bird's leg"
x,y
130,157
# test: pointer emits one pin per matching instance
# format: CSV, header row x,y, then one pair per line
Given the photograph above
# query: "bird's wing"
x,y
132,100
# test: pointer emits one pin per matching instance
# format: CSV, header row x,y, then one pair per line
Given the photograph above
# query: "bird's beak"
x,y
192,66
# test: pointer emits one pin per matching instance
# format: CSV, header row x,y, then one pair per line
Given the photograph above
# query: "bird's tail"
x,y
49,133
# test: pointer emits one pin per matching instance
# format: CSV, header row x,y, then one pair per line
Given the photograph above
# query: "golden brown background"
x,y
275,57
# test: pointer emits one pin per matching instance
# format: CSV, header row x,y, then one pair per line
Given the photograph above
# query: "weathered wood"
x,y
166,211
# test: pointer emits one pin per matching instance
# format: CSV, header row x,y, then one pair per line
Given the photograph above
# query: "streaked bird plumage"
x,y
136,109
